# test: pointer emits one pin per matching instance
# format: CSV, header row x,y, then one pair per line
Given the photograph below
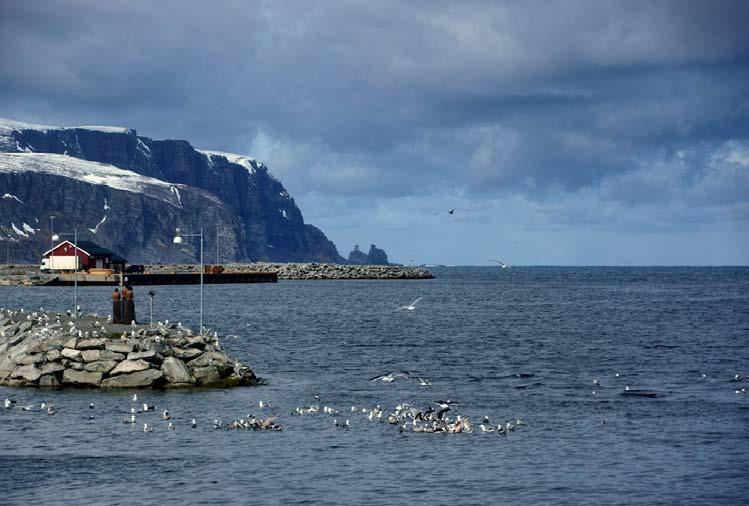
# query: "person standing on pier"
x,y
128,296
116,306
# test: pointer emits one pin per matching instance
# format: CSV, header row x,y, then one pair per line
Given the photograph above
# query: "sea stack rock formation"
x,y
51,350
376,256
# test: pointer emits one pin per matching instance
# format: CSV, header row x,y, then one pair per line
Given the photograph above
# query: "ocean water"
x,y
519,342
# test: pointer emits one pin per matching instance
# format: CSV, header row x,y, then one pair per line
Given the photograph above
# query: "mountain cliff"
x,y
129,193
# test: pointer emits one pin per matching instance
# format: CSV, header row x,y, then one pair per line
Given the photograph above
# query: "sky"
x,y
562,133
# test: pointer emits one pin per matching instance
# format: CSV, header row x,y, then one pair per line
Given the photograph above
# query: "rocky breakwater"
x,y
312,270
50,350
22,275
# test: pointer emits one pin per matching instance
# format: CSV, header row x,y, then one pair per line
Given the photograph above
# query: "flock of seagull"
x,y
250,422
436,418
410,419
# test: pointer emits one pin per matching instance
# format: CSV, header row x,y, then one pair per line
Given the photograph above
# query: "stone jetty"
x,y
43,349
28,275
312,271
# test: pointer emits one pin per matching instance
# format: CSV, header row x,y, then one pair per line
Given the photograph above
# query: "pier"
x,y
165,278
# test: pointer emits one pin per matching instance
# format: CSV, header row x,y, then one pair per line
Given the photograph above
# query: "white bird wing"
x,y
417,300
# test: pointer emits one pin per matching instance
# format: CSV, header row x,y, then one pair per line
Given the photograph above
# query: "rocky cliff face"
x,y
170,184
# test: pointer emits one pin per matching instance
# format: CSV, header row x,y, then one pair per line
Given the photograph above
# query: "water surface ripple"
x,y
519,342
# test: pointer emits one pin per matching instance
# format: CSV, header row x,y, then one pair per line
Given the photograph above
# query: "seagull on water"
x,y
445,407
391,376
194,423
411,306
147,428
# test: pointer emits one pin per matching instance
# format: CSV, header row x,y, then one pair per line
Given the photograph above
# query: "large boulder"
x,y
7,366
27,372
71,354
81,378
52,356
215,358
145,378
19,352
120,346
149,355
175,371
206,375
47,345
128,366
52,368
30,358
91,344
94,355
102,366
187,353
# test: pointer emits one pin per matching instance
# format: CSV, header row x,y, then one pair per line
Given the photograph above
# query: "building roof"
x,y
91,249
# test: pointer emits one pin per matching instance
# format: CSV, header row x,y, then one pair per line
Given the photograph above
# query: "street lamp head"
x,y
55,237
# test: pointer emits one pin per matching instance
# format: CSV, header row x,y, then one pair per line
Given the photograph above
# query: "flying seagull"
x,y
452,210
411,306
501,263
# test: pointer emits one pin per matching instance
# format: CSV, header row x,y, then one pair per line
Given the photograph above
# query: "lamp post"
x,y
178,240
151,294
56,237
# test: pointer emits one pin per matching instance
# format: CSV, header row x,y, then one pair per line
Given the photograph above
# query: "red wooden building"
x,y
90,255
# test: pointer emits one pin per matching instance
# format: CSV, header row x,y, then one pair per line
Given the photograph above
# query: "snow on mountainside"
x,y
210,188
9,125
247,162
89,172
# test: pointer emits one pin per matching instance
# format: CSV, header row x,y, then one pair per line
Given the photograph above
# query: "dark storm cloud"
x,y
398,98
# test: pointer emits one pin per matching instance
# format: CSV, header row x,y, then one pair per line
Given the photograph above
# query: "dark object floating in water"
x,y
639,393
